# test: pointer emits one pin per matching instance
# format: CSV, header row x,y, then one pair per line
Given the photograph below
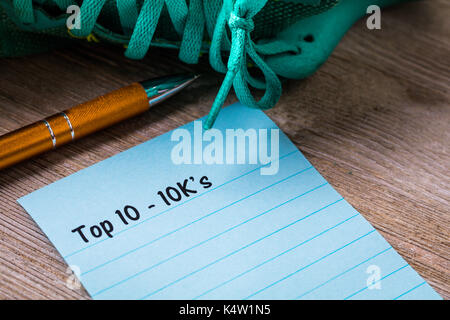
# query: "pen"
x,y
88,117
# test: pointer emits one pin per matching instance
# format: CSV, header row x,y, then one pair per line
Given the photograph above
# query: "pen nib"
x,y
160,89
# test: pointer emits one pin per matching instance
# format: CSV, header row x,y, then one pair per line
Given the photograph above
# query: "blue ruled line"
x,y
308,265
414,288
244,247
195,197
388,275
341,274
273,258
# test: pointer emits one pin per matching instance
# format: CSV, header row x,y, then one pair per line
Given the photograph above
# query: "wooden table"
x,y
374,121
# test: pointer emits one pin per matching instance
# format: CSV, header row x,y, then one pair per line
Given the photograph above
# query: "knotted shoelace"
x,y
189,21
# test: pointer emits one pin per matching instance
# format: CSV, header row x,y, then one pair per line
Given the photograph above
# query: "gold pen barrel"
x,y
72,124
107,110
24,143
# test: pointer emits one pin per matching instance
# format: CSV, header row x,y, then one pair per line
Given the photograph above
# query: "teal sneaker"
x,y
288,38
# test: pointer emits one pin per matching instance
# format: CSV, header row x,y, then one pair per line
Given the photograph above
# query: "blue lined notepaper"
x,y
234,234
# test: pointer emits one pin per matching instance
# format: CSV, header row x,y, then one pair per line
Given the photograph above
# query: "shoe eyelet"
x,y
309,38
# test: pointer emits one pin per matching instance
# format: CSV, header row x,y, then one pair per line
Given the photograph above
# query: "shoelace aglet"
x,y
220,99
211,119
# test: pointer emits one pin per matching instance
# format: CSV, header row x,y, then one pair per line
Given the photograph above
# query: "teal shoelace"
x,y
189,21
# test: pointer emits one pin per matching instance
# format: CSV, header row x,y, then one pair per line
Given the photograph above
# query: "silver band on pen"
x,y
51,132
72,132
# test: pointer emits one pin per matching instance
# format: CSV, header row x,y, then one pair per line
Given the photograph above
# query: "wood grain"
x,y
374,121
